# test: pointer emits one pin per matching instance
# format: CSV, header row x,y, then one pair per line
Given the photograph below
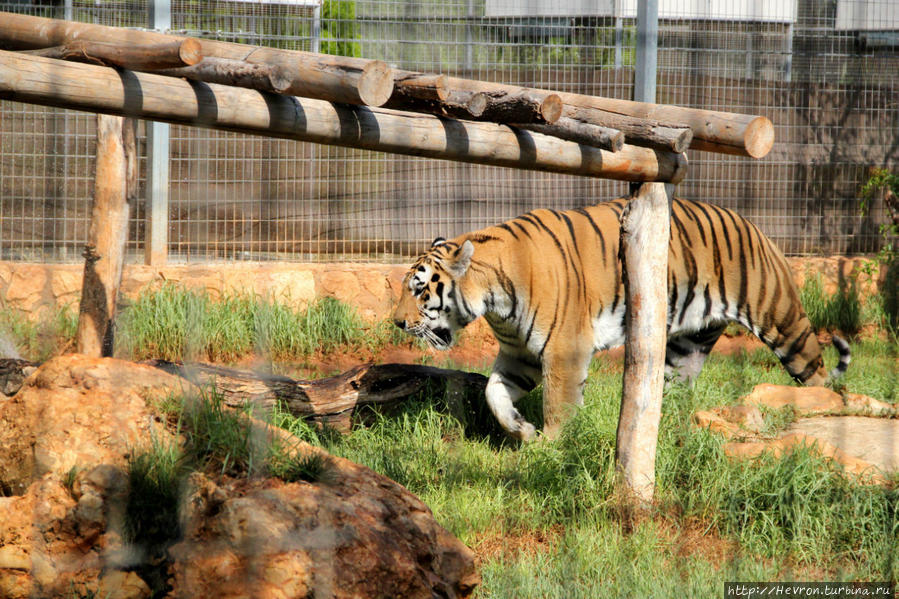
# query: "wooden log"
x,y
321,76
713,131
518,107
104,254
334,400
147,57
638,132
143,95
224,71
409,86
645,230
580,132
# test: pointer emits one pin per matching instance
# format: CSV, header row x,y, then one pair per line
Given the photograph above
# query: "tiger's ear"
x,y
461,259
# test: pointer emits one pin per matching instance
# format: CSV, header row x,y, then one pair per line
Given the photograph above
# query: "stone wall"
x,y
370,288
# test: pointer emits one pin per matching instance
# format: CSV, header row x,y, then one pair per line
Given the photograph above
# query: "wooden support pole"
x,y
145,57
78,86
115,183
321,76
645,229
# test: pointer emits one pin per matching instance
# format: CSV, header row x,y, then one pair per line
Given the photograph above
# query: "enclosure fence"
x,y
825,73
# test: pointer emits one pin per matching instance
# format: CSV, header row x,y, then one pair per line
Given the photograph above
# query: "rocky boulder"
x,y
855,431
65,441
76,412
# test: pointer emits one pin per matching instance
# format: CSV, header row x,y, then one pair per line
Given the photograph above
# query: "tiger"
x,y
549,284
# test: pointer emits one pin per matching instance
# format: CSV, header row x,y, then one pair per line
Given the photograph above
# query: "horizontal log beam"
x,y
333,78
519,107
713,131
224,71
580,132
78,86
152,57
637,131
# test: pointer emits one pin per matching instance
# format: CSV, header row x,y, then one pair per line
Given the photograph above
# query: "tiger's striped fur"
x,y
549,284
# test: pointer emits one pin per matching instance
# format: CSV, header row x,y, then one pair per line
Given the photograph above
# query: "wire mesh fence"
x,y
824,73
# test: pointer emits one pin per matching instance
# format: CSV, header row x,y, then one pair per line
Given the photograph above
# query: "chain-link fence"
x,y
823,72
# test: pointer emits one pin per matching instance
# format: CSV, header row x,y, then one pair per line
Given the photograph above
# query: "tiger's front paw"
x,y
525,431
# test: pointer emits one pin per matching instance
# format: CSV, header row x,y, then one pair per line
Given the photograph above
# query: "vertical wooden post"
x,y
645,230
115,184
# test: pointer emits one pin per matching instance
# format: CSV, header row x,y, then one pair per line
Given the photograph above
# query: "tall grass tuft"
x,y
840,311
39,340
154,485
174,323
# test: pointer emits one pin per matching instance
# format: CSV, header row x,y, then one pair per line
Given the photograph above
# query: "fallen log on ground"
x,y
333,401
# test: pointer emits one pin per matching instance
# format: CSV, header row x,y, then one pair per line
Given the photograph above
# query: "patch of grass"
x,y
154,484
174,323
38,341
218,439
777,419
768,516
312,467
841,311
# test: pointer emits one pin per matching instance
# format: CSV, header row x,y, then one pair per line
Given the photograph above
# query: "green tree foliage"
x,y
340,29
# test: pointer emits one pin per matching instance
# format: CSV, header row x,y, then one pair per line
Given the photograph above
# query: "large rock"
x,y
855,431
64,445
55,539
358,535
78,412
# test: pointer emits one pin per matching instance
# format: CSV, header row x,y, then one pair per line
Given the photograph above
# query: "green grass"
x,y
36,340
796,516
543,517
841,311
174,323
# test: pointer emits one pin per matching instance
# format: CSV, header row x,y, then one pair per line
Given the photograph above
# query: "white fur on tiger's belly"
x,y
608,329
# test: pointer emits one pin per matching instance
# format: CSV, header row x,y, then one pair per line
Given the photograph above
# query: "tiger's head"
x,y
431,305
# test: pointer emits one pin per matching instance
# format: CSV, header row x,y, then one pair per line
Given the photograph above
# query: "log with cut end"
x,y
580,132
332,78
517,107
79,86
638,132
334,400
139,57
418,92
224,71
409,86
713,131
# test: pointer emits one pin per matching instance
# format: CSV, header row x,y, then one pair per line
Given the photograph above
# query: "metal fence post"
x,y
647,49
157,213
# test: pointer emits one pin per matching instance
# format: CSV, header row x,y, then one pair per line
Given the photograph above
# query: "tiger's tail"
x,y
845,357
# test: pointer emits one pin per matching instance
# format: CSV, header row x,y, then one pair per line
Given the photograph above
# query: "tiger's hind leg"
x,y
686,354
